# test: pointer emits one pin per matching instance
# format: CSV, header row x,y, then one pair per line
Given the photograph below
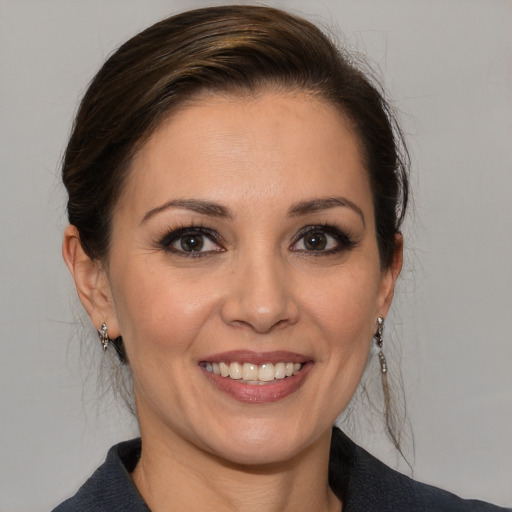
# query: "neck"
x,y
175,475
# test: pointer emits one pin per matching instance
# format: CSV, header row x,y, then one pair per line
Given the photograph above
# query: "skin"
x,y
258,287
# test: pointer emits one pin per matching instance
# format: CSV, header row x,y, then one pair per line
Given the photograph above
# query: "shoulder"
x,y
374,486
110,487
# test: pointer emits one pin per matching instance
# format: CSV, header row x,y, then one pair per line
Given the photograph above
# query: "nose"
x,y
260,295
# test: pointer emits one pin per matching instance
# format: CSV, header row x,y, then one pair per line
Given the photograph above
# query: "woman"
x,y
236,192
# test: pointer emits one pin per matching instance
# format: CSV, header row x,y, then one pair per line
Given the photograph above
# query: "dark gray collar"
x,y
363,483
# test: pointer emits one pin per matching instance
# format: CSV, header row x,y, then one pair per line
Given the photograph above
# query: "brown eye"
x,y
315,241
320,240
191,243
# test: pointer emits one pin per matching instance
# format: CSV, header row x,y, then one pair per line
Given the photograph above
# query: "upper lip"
x,y
249,356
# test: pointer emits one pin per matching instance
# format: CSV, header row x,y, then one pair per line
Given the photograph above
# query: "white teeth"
x,y
224,369
235,371
266,372
252,373
280,370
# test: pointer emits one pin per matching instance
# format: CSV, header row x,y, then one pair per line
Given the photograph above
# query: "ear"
x,y
389,277
91,282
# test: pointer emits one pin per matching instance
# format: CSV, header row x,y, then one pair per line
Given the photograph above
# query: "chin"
x,y
254,443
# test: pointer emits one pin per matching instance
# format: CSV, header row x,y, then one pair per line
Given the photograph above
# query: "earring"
x,y
117,343
379,341
392,422
102,333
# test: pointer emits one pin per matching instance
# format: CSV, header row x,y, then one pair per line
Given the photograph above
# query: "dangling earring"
x,y
389,412
379,341
117,343
102,333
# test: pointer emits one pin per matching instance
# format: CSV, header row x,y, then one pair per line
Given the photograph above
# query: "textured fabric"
x,y
110,488
373,486
362,482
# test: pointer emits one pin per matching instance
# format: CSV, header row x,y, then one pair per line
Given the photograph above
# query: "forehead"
x,y
241,149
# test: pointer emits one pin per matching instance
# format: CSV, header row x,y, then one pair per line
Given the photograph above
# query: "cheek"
x,y
344,310
345,303
158,314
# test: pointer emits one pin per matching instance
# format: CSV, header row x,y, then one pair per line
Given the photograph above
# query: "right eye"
x,y
191,241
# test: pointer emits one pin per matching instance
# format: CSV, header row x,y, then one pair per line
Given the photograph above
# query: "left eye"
x,y
318,239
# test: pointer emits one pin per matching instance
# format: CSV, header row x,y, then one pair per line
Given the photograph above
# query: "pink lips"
x,y
252,393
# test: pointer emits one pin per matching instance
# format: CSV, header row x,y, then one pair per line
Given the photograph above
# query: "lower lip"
x,y
259,393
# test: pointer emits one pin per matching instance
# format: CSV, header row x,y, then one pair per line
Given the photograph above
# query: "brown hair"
x,y
220,49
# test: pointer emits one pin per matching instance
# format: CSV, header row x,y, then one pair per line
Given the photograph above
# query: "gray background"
x,y
447,66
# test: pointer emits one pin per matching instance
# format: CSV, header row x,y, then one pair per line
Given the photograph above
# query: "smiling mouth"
x,y
253,374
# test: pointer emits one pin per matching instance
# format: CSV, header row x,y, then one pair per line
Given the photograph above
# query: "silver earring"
x,y
379,341
102,333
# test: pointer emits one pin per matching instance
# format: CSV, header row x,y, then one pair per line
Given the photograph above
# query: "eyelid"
x,y
171,235
345,241
175,233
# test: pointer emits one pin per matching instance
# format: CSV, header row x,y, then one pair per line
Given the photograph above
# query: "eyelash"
x,y
178,233
344,241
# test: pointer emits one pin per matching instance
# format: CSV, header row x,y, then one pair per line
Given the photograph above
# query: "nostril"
x,y
262,328
283,323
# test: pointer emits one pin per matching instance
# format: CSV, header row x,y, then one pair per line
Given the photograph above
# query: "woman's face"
x,y
244,242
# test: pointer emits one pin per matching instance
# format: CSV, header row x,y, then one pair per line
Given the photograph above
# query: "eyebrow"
x,y
196,205
216,210
320,204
